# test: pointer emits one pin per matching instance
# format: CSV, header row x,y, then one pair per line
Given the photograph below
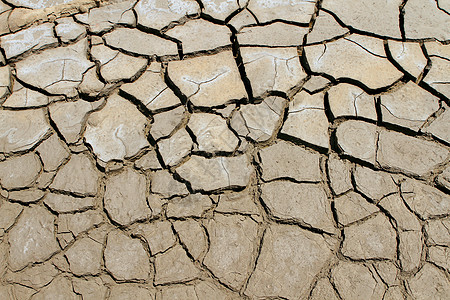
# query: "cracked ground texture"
x,y
224,149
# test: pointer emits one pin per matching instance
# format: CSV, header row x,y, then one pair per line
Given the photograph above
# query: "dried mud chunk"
x,y
212,133
232,243
354,281
106,17
174,266
200,35
420,103
32,239
122,67
349,100
409,56
36,276
287,247
175,148
429,281
208,80
129,291
408,154
365,16
8,214
345,58
299,11
238,202
222,9
60,288
165,123
139,42
70,117
125,197
77,176
68,204
352,207
268,69
53,153
260,121
35,37
151,90
358,139
14,174
85,257
374,238
164,184
194,205
68,30
193,236
125,258
439,127
303,202
158,14
58,70
339,174
21,130
434,22
276,34
158,235
325,28
117,131
307,120
374,184
216,173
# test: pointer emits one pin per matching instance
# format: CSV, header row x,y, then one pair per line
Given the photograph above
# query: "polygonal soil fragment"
x,y
77,176
117,131
70,117
358,139
208,80
365,16
276,34
299,11
151,90
35,37
350,100
125,199
409,155
429,281
354,57
355,281
419,102
174,266
232,242
158,235
158,14
125,258
200,35
259,122
212,133
291,255
269,69
286,160
307,120
57,71
32,239
374,238
139,42
216,173
21,130
85,257
13,175
104,18
303,202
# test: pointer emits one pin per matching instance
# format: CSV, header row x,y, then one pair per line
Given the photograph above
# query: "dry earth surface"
x,y
224,149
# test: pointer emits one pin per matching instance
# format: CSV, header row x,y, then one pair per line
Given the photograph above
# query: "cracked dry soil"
x,y
224,149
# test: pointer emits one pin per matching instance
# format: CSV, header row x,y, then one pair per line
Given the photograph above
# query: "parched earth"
x,y
225,149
